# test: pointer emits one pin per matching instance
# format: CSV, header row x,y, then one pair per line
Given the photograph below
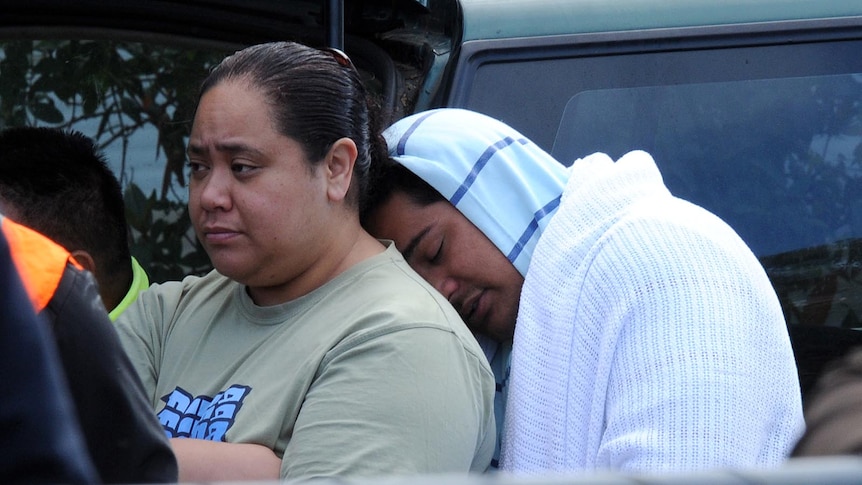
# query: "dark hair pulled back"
x,y
316,97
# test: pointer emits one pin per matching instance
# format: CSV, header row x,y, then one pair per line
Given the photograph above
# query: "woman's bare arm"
x,y
204,461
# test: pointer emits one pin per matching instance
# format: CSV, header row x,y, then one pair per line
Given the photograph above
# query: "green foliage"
x,y
164,240
115,91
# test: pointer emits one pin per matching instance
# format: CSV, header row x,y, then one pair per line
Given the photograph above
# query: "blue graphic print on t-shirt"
x,y
201,417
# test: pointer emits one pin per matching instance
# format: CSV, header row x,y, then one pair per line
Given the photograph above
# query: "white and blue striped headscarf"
x,y
502,182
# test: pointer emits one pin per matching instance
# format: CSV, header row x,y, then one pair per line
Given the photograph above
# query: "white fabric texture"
x,y
468,160
478,165
649,338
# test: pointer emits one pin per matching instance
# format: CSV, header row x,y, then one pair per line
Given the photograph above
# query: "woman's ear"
x,y
339,168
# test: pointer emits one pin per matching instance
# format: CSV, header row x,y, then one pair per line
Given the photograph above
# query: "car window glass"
x,y
779,159
136,99
763,132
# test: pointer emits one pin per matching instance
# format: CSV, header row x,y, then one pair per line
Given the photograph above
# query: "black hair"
x,y
316,97
389,177
58,183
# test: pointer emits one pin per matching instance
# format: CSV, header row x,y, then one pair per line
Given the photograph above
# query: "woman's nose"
x,y
214,191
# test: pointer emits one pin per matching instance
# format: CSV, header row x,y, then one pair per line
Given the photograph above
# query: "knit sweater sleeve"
x,y
657,345
700,373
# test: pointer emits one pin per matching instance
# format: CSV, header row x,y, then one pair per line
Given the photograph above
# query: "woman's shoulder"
x,y
401,298
200,288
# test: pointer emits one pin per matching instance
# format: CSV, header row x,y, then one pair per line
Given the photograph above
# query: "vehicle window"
x,y
767,137
779,159
136,99
765,131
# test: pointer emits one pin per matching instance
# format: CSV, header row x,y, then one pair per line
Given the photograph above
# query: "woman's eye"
x,y
241,168
195,166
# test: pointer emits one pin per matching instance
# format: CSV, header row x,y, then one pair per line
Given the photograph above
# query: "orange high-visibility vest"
x,y
39,260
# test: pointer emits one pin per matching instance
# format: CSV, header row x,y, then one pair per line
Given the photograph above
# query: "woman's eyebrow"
x,y
229,147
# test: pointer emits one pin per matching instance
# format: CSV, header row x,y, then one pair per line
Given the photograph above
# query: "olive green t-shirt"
x,y
372,374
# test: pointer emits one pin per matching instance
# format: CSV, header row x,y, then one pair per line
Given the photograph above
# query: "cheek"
x,y
196,191
277,214
498,268
194,202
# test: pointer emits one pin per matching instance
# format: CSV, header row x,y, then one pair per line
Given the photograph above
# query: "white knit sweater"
x,y
649,338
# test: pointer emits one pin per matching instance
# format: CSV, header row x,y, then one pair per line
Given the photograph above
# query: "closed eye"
x,y
439,253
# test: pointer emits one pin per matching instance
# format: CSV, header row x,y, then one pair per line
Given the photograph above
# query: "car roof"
x,y
498,19
229,21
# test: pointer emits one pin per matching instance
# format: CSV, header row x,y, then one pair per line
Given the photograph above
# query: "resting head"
x,y
465,197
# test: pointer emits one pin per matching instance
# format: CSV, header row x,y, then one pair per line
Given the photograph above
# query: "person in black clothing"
x,y
123,436
39,433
